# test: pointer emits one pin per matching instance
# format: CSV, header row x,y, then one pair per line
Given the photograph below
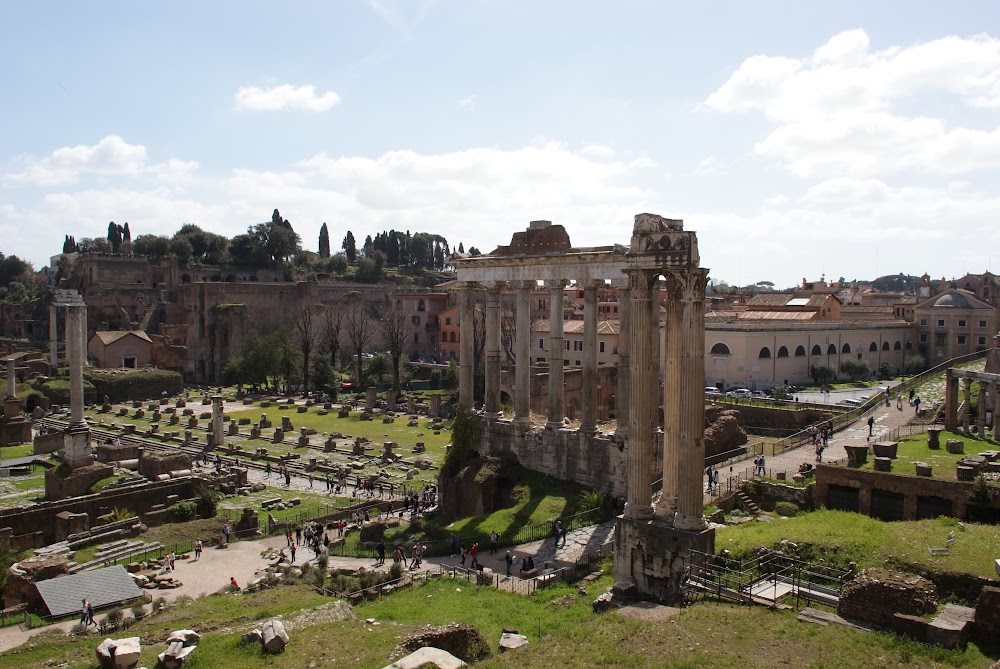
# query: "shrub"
x,y
590,500
181,512
396,571
79,629
786,509
121,514
138,611
464,442
207,501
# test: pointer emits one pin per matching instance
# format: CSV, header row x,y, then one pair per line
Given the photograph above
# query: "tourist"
x,y
298,535
474,554
233,584
494,539
763,470
899,402
463,552
380,547
871,424
226,531
454,544
916,405
397,555
197,549
509,559
83,612
887,395
292,549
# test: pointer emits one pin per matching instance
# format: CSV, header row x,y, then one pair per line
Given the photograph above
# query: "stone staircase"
x,y
747,504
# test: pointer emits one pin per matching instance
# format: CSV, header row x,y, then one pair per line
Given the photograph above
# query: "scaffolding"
x,y
769,579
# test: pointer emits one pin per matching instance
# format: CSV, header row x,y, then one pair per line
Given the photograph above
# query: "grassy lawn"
x,y
562,629
914,449
837,537
19,451
537,499
312,506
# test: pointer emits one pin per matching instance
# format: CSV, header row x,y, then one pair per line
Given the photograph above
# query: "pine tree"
x,y
350,247
324,242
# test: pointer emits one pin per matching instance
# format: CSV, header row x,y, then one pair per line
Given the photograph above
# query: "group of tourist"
x,y
820,437
712,480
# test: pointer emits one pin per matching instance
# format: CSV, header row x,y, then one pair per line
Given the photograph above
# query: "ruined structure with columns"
x,y
959,411
652,542
14,427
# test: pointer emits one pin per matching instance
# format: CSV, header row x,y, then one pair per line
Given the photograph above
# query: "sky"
x,y
798,139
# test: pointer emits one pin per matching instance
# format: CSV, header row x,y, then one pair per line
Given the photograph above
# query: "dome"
x,y
952,300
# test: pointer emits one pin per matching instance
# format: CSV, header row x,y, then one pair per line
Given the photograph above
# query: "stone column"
x,y
640,429
624,374
996,410
588,418
967,396
467,354
950,401
75,353
492,396
556,354
981,407
218,437
522,370
691,462
11,378
672,385
53,337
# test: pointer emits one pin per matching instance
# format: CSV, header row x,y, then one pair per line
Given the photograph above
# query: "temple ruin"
x,y
652,541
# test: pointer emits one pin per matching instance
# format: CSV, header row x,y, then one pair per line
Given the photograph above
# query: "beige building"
x,y
763,353
120,348
954,323
607,342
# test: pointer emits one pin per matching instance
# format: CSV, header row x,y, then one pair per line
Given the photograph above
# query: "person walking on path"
x,y
494,539
292,548
454,544
562,533
474,554
86,617
197,549
871,423
226,531
509,559
380,547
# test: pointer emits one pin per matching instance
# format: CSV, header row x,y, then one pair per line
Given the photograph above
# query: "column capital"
x,y
556,284
590,284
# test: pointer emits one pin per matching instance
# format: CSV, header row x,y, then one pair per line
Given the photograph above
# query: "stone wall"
x,y
597,462
778,419
140,499
48,443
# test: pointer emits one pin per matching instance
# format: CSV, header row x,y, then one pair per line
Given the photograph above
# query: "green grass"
x,y
914,449
537,499
837,537
562,629
19,451
312,506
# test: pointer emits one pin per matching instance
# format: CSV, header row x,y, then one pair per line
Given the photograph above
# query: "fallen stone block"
x,y
427,656
512,641
273,636
253,637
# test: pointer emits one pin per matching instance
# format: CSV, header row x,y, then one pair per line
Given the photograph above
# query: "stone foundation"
x,y
63,484
654,556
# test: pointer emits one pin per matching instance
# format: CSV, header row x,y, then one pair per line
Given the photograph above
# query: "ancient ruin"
x,y
652,542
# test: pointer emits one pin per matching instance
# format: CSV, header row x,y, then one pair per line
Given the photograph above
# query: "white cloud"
x,y
112,156
468,102
849,110
286,96
708,166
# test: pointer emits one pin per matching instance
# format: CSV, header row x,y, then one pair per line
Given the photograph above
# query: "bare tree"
x,y
360,329
396,330
305,335
333,326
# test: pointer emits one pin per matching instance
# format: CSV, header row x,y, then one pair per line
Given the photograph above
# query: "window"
x,y
923,321
923,338
961,323
961,339
764,353
939,339
817,350
720,349
447,320
129,362
421,306
800,351
578,346
452,338
885,346
909,344
940,322
541,344
831,349
982,341
601,345
898,346
846,348
577,363
982,324
416,320
873,347
416,338
783,352
566,344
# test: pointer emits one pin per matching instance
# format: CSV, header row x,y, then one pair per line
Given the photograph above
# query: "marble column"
x,y
218,438
691,460
11,378
996,410
467,354
76,355
492,396
53,337
556,354
950,401
624,386
667,504
641,429
967,396
588,417
522,369
981,408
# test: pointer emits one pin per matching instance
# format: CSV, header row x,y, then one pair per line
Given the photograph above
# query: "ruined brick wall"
x,y
599,462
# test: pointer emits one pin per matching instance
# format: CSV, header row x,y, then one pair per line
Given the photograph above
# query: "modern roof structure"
x,y
64,595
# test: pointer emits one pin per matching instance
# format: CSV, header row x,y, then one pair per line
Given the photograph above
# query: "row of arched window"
x,y
765,352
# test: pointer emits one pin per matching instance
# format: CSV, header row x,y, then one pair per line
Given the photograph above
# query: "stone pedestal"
x,y
857,455
435,404
934,437
885,449
883,464
370,398
654,556
955,446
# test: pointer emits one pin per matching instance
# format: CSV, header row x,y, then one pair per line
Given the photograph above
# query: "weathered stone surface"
x,y
461,640
510,641
724,431
253,637
186,637
118,653
604,602
951,627
913,627
987,628
482,487
273,636
876,595
428,657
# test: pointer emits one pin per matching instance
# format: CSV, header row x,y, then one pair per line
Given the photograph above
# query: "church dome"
x,y
952,300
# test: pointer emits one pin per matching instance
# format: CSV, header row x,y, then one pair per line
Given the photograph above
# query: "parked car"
x,y
712,390
739,392
850,404
760,393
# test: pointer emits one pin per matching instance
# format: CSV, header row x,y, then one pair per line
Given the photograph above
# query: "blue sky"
x,y
848,138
